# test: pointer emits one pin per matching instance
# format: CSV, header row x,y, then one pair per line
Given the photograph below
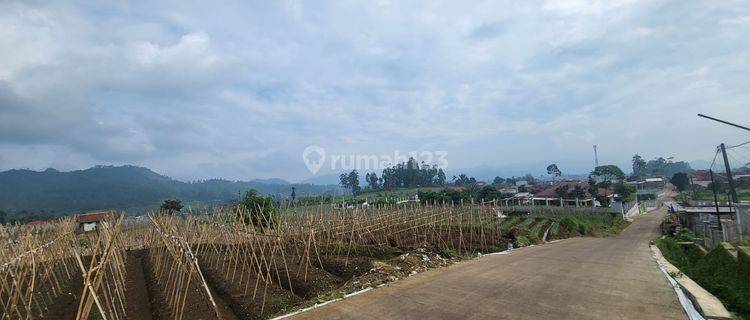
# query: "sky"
x,y
239,90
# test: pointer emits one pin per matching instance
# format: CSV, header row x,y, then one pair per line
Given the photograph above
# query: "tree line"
x,y
409,174
658,167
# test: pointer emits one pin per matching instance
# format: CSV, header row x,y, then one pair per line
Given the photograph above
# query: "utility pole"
x,y
724,122
729,174
716,201
732,190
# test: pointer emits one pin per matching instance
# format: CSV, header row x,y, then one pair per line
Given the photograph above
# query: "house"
x,y
549,194
551,191
648,186
88,221
507,188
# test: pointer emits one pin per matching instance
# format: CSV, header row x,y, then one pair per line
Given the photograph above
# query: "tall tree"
x,y
607,174
440,179
554,171
498,180
344,181
464,180
353,178
411,174
639,166
372,181
680,180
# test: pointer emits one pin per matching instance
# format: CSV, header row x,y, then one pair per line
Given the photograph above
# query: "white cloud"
x,y
201,90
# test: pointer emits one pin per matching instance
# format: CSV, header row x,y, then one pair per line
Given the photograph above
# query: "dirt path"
x,y
138,306
580,278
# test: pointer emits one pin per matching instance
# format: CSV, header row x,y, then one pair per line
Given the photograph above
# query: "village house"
x,y
88,221
549,194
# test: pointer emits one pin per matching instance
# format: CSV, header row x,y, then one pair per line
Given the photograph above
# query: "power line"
x,y
739,145
714,161
744,162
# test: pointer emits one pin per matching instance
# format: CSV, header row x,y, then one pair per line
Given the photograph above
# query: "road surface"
x,y
580,278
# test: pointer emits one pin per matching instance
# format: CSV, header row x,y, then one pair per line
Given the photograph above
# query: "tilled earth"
x,y
340,274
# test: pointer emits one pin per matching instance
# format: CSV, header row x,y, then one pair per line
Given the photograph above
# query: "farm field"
x,y
221,266
707,195
376,197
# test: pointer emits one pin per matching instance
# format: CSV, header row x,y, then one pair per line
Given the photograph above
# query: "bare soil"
x,y
240,295
65,306
138,305
196,306
245,297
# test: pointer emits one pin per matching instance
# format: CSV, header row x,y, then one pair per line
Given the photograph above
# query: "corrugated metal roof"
x,y
92,217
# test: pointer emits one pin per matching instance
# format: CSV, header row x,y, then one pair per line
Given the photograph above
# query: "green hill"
x,y
130,188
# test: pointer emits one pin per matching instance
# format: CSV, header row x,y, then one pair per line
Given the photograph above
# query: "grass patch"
x,y
707,195
537,229
509,222
583,223
718,272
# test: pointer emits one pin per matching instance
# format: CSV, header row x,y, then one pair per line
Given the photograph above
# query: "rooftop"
x,y
92,216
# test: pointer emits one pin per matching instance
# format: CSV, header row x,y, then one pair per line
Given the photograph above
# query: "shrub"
x,y
171,206
718,272
258,209
522,241
672,252
569,224
743,264
684,235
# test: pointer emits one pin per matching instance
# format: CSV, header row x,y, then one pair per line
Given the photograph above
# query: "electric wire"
x,y
739,145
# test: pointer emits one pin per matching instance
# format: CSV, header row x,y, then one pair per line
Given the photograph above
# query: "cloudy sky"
x,y
239,89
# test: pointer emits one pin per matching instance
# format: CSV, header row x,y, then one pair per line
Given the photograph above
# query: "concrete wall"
x,y
743,216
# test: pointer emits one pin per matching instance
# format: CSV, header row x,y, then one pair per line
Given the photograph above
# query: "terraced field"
x,y
220,266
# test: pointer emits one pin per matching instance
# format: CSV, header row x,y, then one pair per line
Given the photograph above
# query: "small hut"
x,y
89,221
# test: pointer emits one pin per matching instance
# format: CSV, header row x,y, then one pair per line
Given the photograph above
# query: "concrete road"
x,y
580,278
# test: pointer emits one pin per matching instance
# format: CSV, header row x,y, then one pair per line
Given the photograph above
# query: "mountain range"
x,y
130,188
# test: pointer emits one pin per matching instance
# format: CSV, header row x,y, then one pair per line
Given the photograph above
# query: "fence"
x,y
555,209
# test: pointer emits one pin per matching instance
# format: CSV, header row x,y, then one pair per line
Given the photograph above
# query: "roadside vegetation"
x,y
718,270
708,195
584,223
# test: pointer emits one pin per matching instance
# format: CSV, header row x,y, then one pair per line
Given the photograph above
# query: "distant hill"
x,y
270,181
328,179
130,188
